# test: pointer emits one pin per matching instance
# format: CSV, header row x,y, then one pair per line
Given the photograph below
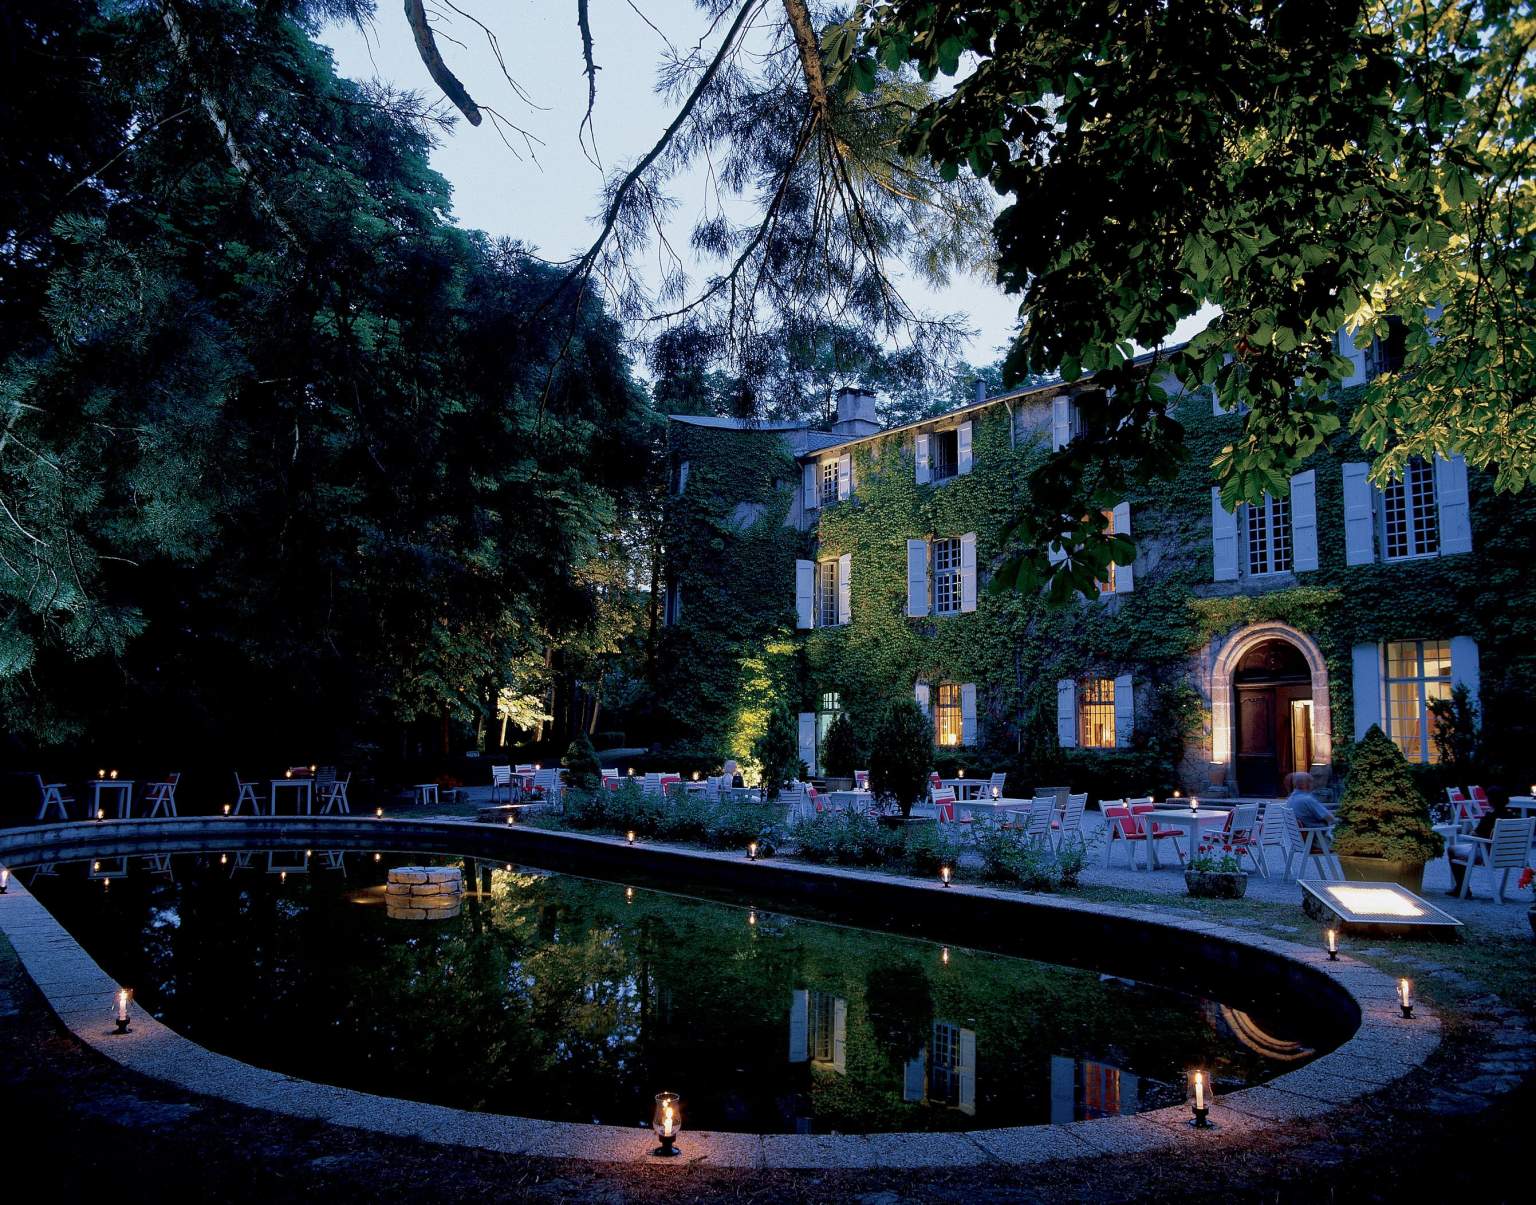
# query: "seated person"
x,y
1309,810
730,775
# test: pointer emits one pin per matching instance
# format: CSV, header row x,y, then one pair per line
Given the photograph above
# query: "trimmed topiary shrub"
x,y
848,840
580,762
902,755
777,751
1383,814
840,748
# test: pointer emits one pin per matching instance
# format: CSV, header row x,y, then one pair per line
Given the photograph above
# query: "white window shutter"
x,y
845,588
1223,539
1366,667
1466,668
1304,521
812,486
1359,516
840,1035
968,571
917,577
1356,358
844,478
805,593
920,447
965,1074
1125,575
808,741
799,1025
1061,422
682,476
963,445
1066,713
968,713
1451,495
920,693
1125,711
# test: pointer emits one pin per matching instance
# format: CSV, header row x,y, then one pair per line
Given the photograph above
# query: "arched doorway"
x,y
1274,717
1277,676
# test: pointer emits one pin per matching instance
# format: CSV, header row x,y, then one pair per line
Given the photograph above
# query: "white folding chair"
x,y
53,797
1069,825
161,796
334,797
1509,848
501,780
1311,842
1242,834
246,793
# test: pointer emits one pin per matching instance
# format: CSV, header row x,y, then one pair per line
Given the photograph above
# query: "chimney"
x,y
855,413
981,390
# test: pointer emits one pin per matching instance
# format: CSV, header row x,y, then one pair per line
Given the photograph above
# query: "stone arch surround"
x,y
1226,653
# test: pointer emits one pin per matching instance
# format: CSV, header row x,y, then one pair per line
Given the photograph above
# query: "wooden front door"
x,y
1258,741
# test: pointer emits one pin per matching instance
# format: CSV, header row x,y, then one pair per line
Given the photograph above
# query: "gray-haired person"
x,y
1309,810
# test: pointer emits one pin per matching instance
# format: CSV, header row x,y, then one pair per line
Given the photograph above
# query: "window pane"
x,y
946,576
829,481
947,718
1096,713
826,594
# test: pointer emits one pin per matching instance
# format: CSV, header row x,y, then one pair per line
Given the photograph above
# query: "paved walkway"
x,y
1480,912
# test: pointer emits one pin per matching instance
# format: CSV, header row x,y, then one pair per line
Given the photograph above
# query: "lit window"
x,y
1107,586
1410,518
948,720
826,594
1096,713
828,482
945,447
946,577
1418,673
1269,536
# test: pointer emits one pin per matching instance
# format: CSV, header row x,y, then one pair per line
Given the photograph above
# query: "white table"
x,y
850,800
1522,803
304,789
124,789
1190,821
965,788
991,808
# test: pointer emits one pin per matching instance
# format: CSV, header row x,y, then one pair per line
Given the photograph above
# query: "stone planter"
x,y
1408,875
1216,884
903,823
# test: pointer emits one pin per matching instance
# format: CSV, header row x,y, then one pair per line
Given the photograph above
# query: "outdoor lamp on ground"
x,y
944,956
101,814
223,859
751,851
120,1013
629,893
996,793
5,879
1333,945
629,837
944,873
511,816
667,1121
1405,997
1200,1097
752,917
226,809
378,813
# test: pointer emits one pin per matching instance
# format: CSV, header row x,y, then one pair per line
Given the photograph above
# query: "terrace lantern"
x,y
5,879
667,1121
1333,945
120,1012
1405,997
1200,1098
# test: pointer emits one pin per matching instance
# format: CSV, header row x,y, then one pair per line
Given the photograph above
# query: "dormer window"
x,y
828,482
946,455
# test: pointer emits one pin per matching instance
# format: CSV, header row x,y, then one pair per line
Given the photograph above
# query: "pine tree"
x,y
840,747
1383,814
777,751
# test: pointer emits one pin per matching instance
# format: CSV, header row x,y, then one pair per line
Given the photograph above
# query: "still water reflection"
x,y
571,999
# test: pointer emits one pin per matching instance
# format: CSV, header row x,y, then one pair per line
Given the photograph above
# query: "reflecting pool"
x,y
566,998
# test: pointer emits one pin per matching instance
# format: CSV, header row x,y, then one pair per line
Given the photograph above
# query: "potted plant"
x,y
1214,873
1383,832
900,758
839,753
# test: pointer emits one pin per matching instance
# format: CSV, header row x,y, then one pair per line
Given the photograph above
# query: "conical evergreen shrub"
x,y
1383,814
581,764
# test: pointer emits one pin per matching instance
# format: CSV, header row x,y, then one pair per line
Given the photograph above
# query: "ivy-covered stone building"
x,y
839,567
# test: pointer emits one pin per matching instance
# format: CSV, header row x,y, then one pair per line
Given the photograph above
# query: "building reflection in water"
x,y
818,1029
1082,1090
944,1071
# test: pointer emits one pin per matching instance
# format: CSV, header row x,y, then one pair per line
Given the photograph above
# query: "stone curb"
x,y
1384,1048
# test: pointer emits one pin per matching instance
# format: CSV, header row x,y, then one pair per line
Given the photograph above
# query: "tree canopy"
x,y
282,446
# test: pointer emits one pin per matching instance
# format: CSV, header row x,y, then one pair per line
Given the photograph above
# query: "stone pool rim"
x,y
1383,1047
